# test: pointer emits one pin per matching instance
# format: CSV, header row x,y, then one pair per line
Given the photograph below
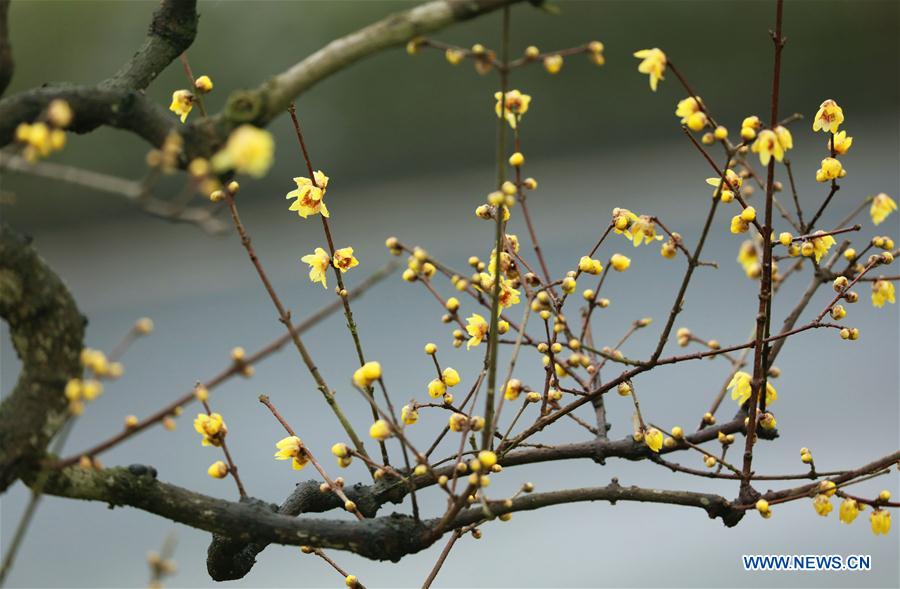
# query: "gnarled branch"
x,y
47,331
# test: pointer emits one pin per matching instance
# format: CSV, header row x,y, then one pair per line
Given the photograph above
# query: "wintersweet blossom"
x,y
848,511
882,292
477,328
182,103
292,448
822,505
318,266
831,169
821,244
772,143
217,470
516,105
691,112
366,374
841,144
882,206
249,150
619,262
881,521
741,389
211,427
653,63
553,63
829,117
344,259
309,195
654,439
732,183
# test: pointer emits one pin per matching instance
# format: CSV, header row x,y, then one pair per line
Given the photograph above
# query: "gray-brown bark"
x,y
47,332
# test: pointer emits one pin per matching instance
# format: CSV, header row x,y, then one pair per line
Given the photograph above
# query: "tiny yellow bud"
x,y
516,159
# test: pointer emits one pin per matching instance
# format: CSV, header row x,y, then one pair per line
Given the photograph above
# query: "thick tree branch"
x,y
119,102
47,331
229,559
7,65
384,538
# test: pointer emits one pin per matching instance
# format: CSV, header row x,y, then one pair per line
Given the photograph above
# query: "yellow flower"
x,y
821,245
842,143
691,112
344,260
366,374
477,328
595,52
211,427
653,64
590,266
881,521
822,505
292,448
643,229
831,169
408,415
249,150
59,113
654,439
771,144
741,391
882,292
512,390
848,511
203,84
829,117
436,388
749,259
309,195
732,183
380,430
739,225
182,103
516,105
413,45
217,470
553,63
619,262
318,266
882,206
450,377
454,56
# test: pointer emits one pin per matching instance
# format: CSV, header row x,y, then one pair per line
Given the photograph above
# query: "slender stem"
x,y
763,320
335,488
348,313
440,561
493,346
285,317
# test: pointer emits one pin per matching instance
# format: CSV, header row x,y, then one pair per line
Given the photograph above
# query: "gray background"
x,y
408,144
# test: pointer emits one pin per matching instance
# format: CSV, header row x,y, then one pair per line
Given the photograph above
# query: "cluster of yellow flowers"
x,y
879,519
212,429
637,229
46,135
310,195
741,389
183,100
78,390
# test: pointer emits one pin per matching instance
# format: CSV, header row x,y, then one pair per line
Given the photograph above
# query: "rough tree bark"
x,y
47,331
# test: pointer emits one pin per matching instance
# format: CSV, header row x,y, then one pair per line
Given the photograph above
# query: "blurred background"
x,y
409,146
